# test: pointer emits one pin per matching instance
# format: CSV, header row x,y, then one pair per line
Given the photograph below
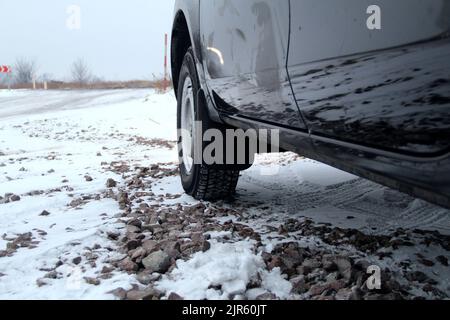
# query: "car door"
x,y
374,73
245,46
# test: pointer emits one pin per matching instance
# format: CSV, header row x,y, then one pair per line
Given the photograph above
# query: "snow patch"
x,y
222,272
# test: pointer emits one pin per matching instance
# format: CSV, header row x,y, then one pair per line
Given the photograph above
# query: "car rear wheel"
x,y
203,182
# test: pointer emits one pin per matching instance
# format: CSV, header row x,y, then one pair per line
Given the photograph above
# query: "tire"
x,y
201,181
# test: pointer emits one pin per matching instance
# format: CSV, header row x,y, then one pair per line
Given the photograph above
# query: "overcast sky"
x,y
120,39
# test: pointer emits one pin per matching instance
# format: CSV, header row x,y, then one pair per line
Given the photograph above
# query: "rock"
x,y
147,278
356,294
14,198
298,285
128,265
45,213
158,261
328,262
150,246
138,254
308,266
147,294
132,244
206,246
132,229
426,262
344,267
153,228
92,281
266,297
418,276
107,269
113,235
172,248
123,200
111,183
76,260
88,178
135,222
344,294
120,293
175,297
41,282
318,289
51,275
442,260
392,296
76,203
332,277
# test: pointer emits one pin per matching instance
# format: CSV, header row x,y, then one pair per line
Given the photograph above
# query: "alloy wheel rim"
x,y
187,126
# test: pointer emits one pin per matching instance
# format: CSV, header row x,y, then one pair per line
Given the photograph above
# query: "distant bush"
x,y
81,73
157,84
24,70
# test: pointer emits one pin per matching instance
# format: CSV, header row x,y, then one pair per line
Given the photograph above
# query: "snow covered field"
x,y
89,189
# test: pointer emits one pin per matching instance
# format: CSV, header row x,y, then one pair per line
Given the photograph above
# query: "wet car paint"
x,y
245,48
387,88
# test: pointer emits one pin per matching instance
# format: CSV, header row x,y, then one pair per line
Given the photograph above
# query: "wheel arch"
x,y
181,40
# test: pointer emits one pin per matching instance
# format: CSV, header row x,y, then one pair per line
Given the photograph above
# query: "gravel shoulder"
x,y
91,208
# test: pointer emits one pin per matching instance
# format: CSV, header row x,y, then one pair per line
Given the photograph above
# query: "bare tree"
x,y
80,72
24,70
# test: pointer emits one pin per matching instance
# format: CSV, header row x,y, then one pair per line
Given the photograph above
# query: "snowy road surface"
x,y
91,208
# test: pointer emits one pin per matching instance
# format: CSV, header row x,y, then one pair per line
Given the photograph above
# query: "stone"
x,y
150,246
311,264
442,260
418,276
344,267
318,289
113,235
175,297
120,293
132,244
138,254
45,213
344,294
51,275
328,262
88,178
107,269
146,278
206,246
158,261
14,198
266,297
41,282
111,183
128,265
135,222
172,248
298,285
147,294
133,229
92,281
76,260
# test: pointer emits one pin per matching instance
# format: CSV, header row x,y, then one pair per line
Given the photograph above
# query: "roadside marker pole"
x,y
165,62
9,80
7,70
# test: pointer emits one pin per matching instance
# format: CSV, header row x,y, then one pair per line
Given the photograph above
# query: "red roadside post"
x,y
166,80
8,71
